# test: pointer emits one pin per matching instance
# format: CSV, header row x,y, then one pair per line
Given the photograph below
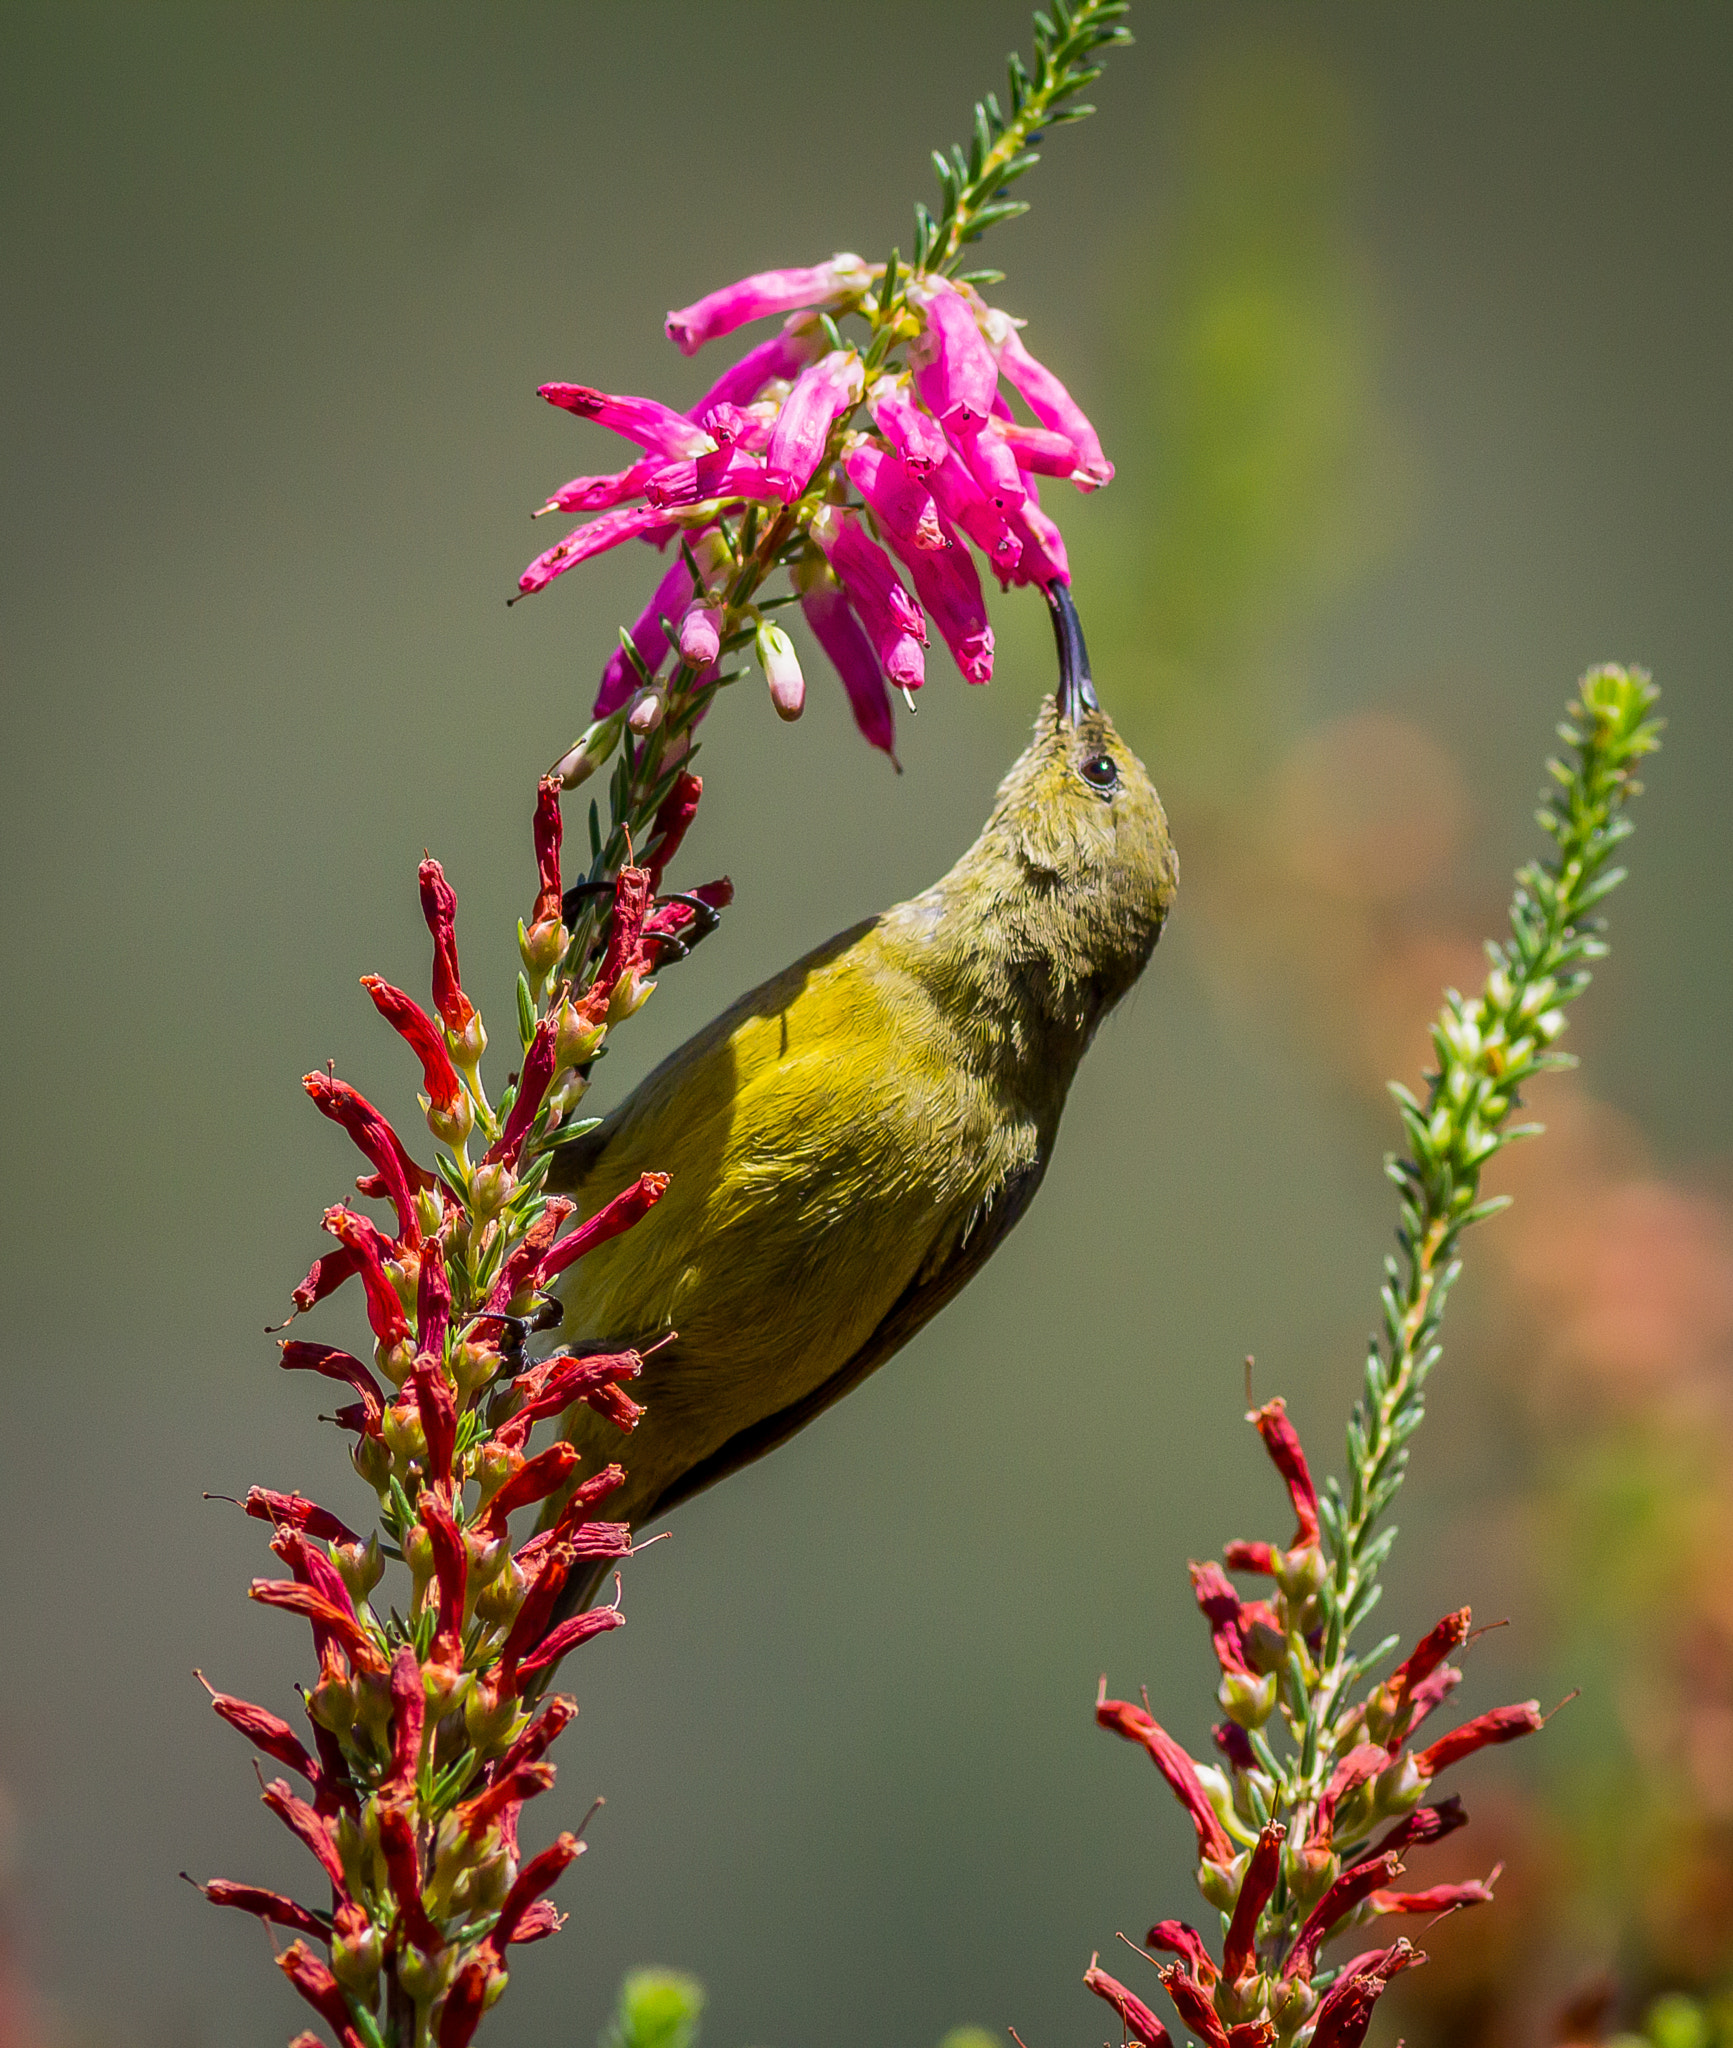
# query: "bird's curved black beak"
x,y
1076,687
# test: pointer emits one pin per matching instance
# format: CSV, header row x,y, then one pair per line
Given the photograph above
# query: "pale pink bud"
x,y
915,435
1049,401
654,426
820,395
955,371
903,507
834,626
700,637
620,679
646,714
763,293
781,670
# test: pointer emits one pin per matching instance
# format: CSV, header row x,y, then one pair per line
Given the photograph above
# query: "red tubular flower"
x,y
1437,1898
1241,1556
266,1731
439,907
272,1906
1178,1938
1252,2034
552,1386
1213,1845
361,1240
1283,1444
314,1981
436,1403
630,1206
506,1788
307,1826
1139,2022
1194,2005
542,1732
466,2001
548,830
338,1365
1425,1824
539,1921
537,1876
1346,2011
1240,1947
398,1173
1348,1891
1364,1761
674,816
418,1030
1502,1724
1425,1658
538,1072
432,1301
534,1480
408,1718
1221,1609
578,1628
403,1867
324,1277
293,1511
1235,1745
364,1652
451,1568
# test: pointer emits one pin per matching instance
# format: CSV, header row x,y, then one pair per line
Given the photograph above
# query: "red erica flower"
x,y
368,1249
1179,1938
398,1174
1139,2022
264,1730
630,1206
1502,1724
1283,1444
339,1365
1239,1946
439,907
445,1092
292,1511
1136,1725
314,1981
271,1906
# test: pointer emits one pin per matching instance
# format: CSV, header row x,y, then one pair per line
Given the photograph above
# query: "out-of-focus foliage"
x,y
657,2009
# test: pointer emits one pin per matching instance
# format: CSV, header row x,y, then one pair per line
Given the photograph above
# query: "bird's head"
x,y
1079,816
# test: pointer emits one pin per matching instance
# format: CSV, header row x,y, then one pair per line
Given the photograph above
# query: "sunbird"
x,y
849,1142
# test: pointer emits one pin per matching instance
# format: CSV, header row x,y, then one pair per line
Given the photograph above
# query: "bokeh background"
x,y
1409,330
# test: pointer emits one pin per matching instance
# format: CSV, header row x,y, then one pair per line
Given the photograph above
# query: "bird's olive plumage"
x,y
850,1141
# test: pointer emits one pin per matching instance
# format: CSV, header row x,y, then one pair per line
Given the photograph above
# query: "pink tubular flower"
x,y
965,505
1283,1444
1042,558
891,617
1213,1845
949,588
763,293
603,493
412,1023
989,460
835,627
729,473
955,372
1139,2022
782,357
439,908
1038,449
619,677
656,428
820,396
1051,404
916,436
1502,1724
630,1206
633,522
902,505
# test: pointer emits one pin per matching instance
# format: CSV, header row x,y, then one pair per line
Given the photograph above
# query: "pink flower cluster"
x,y
864,464
1287,1886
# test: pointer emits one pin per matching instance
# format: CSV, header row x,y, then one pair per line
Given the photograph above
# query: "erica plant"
x,y
1325,1786
872,429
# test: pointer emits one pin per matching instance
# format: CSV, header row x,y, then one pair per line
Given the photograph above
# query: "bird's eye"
x,y
1101,772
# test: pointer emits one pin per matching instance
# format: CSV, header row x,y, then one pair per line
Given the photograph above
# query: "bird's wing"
x,y
917,1305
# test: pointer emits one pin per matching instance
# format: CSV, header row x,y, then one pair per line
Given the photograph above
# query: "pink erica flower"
x,y
989,460
619,677
833,624
1039,449
901,504
1049,401
778,360
891,617
634,522
1043,558
602,493
966,505
949,587
955,371
656,428
820,396
763,293
915,435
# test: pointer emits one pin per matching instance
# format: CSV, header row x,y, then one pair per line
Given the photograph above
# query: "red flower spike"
x,y
1240,1948
1437,1898
403,1867
338,1365
1179,1938
534,1480
561,1641
439,907
630,1206
266,1731
1425,1824
385,1312
1283,1444
432,1301
1221,1609
399,1175
465,2002
538,1072
673,816
537,1876
1193,2004
451,1567
436,1402
418,1030
1503,1724
1139,2022
264,1905
301,1821
314,1981
542,1732
1174,1765
1346,2011
408,1718
549,829
293,1511
324,1613
1241,1556
520,1269
1348,1891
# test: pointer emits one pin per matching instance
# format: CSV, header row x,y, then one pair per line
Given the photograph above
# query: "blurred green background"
x,y
1409,330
